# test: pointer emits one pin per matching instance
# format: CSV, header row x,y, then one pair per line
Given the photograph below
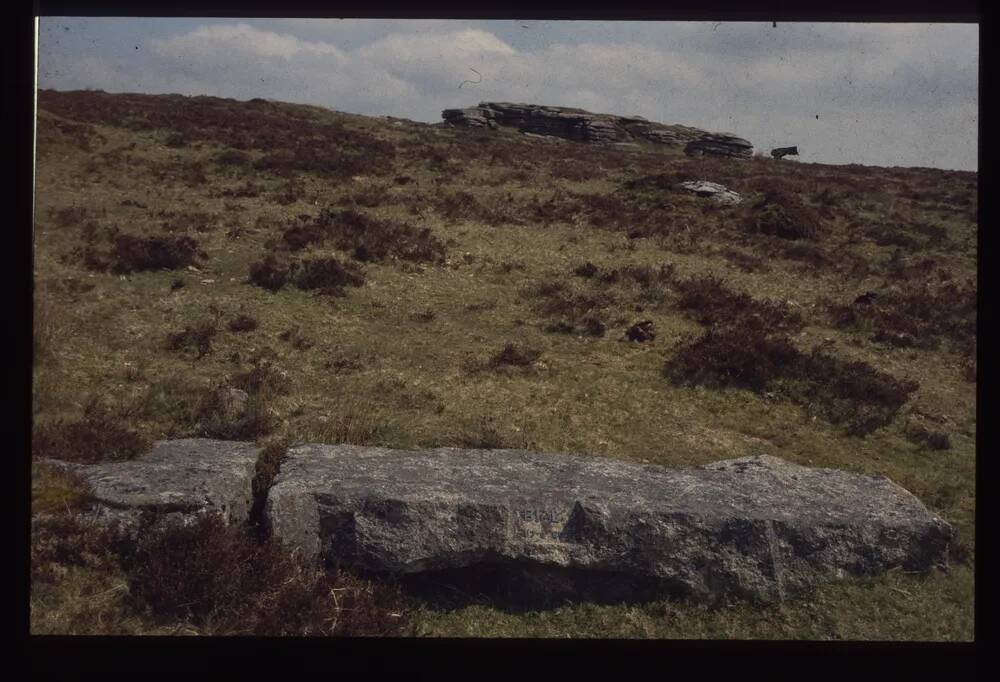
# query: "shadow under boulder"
x,y
519,588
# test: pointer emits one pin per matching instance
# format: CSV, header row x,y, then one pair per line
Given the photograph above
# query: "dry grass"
x,y
487,242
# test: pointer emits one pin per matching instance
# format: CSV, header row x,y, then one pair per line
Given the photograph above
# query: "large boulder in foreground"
x,y
180,478
755,527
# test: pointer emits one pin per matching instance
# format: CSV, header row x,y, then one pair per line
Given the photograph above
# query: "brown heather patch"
x,y
242,323
100,435
513,355
132,253
368,239
920,316
711,302
219,580
328,275
781,214
197,338
850,393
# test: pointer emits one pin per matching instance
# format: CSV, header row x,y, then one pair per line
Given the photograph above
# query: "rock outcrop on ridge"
x,y
719,144
572,124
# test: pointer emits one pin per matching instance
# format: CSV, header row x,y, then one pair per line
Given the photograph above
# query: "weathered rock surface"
x,y
182,477
757,527
713,190
719,144
570,123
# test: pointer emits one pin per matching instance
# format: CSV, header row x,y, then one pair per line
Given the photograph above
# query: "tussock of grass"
x,y
55,490
513,355
197,338
242,407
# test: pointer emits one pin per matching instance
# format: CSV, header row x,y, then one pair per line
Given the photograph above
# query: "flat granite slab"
x,y
186,476
756,527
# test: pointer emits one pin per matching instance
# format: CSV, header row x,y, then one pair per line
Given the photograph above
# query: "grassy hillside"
x,y
385,282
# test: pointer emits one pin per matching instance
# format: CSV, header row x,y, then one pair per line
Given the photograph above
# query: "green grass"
x,y
377,374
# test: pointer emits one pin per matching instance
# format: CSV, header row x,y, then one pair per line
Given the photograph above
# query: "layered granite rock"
x,y
570,123
719,144
756,527
180,478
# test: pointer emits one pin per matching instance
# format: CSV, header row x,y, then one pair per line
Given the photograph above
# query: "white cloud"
x,y
240,40
904,94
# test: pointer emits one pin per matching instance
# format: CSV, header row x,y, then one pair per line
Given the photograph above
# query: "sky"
x,y
874,94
